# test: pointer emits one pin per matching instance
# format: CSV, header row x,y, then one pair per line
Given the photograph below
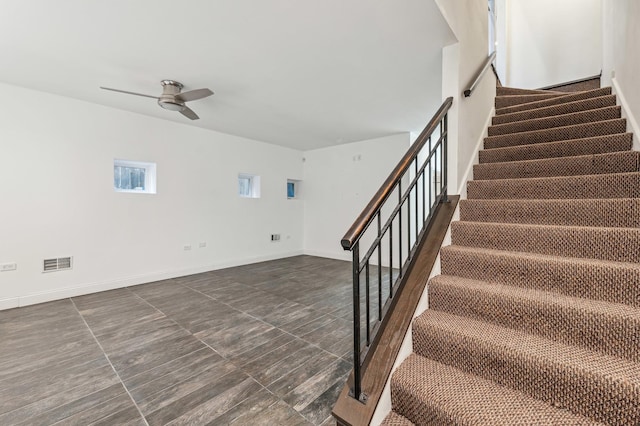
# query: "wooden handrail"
x,y
484,69
364,220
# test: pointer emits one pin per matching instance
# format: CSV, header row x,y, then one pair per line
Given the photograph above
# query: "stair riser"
x,y
394,419
565,166
612,244
431,393
625,185
512,100
579,131
555,384
597,145
602,114
504,91
402,397
555,101
568,108
622,213
607,334
610,282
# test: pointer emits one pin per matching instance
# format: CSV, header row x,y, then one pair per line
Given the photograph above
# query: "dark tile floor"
x,y
268,343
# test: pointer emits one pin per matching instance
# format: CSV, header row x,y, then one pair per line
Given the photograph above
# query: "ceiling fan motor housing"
x,y
167,100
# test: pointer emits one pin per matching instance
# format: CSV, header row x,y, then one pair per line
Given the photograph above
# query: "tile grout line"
x,y
264,322
216,352
109,361
187,286
284,331
230,360
208,346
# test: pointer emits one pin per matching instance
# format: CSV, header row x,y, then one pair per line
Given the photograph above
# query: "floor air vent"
x,y
56,264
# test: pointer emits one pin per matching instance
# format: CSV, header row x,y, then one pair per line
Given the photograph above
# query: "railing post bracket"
x,y
363,396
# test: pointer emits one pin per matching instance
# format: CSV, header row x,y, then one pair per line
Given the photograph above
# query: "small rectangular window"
x,y
134,176
293,187
248,185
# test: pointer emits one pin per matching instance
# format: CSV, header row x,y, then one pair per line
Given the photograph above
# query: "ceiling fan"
x,y
172,98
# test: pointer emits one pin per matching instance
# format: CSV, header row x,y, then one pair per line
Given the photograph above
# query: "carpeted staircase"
x,y
535,319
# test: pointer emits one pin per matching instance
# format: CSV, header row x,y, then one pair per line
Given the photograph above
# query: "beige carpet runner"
x,y
535,319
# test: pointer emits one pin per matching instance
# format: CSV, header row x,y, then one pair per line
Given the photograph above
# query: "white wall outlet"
x,y
275,237
202,244
187,247
8,267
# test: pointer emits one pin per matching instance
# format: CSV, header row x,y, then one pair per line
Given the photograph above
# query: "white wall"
x,y
461,61
621,57
551,42
56,190
342,180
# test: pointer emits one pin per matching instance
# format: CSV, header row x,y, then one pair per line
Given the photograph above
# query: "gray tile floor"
x,y
267,343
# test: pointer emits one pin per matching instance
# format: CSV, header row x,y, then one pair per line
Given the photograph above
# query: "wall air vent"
x,y
57,264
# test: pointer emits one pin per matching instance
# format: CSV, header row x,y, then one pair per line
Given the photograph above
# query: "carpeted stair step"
x,y
616,185
616,162
566,108
585,146
431,393
575,131
395,419
613,244
608,328
580,117
616,212
601,387
512,100
616,282
556,100
503,90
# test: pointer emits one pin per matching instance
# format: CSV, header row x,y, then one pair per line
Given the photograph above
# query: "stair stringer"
x,y
384,404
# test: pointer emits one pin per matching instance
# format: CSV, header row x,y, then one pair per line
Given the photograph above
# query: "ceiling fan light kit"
x,y
172,97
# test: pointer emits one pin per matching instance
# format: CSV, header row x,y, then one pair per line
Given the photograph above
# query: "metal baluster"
x,y
445,164
430,176
379,266
391,260
367,301
356,322
400,229
415,189
423,195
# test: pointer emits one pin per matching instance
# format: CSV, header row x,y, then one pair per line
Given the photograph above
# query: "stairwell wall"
x,y
621,57
469,118
550,42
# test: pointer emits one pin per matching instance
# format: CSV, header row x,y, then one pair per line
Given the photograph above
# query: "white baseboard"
x,y
468,172
88,288
632,123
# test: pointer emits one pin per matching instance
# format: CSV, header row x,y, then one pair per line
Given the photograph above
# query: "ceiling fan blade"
x,y
193,95
129,93
188,112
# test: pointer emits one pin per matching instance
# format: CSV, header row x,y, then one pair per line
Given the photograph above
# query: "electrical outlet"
x,y
275,237
202,244
8,267
187,247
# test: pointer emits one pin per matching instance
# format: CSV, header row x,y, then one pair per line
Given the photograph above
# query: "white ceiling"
x,y
297,73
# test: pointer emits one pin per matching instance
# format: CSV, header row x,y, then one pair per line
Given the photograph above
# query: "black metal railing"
x,y
400,212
